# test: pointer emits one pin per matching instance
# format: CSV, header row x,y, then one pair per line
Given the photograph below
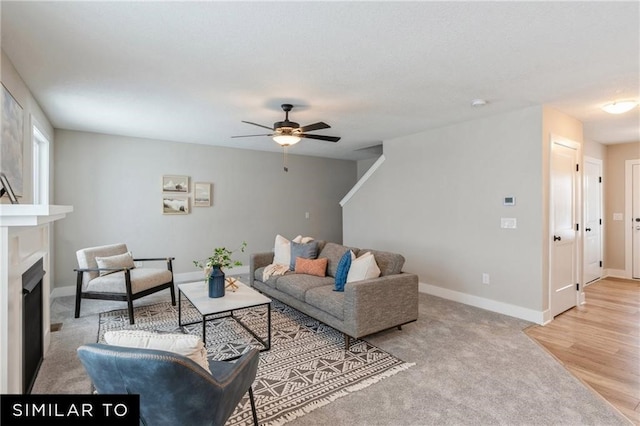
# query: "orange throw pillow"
x,y
317,267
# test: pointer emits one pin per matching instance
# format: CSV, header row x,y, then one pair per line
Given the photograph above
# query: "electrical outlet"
x,y
306,215
485,278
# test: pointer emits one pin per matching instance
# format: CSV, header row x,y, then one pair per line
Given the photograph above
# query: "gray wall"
x,y
114,184
437,199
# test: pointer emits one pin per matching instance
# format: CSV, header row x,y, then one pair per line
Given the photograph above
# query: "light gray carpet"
x,y
472,367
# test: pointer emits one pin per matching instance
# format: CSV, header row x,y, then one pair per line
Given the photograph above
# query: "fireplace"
x,y
25,240
32,330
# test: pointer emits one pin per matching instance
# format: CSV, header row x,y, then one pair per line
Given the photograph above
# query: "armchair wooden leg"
x,y
130,309
127,286
173,294
253,407
78,294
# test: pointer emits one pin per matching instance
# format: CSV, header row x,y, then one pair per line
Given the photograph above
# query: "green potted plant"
x,y
213,268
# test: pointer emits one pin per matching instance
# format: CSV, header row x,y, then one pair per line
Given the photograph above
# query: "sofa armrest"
x,y
380,303
258,260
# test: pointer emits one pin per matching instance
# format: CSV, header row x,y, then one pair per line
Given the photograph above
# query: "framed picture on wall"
x,y
11,144
175,183
5,187
175,204
202,194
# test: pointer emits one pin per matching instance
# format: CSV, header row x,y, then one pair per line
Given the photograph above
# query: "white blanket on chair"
x,y
274,269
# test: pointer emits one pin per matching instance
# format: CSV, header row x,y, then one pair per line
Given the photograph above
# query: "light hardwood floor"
x,y
599,342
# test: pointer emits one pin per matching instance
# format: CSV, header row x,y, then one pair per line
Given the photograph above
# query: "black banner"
x,y
70,410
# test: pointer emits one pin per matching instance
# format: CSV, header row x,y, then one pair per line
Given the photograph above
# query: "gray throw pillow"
x,y
307,251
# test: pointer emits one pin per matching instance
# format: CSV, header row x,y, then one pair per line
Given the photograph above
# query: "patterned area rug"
x,y
306,368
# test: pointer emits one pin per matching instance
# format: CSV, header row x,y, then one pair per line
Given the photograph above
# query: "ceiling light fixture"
x,y
286,140
619,107
478,103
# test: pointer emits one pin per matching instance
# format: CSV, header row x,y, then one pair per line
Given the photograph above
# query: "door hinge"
x,y
601,263
600,179
577,286
577,226
577,167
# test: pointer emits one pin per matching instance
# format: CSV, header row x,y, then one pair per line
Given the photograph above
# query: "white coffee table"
x,y
244,297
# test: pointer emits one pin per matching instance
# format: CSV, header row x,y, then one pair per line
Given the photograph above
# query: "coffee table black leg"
x,y
204,330
179,308
269,326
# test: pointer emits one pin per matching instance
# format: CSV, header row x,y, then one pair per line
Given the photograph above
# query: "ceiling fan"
x,y
287,133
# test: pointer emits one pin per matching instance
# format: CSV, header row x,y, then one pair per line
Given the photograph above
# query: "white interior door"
x,y
592,219
563,259
635,214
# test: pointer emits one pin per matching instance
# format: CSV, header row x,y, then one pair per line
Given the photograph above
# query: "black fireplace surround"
x,y
32,332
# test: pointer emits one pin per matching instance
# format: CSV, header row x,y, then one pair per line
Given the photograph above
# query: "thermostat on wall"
x,y
509,201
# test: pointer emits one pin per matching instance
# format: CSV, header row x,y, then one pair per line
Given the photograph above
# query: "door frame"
x,y
599,162
580,299
628,213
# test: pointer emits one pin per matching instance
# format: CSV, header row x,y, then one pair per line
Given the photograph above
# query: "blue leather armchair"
x,y
173,389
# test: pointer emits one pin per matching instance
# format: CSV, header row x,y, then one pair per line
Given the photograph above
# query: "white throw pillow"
x,y
187,345
124,260
282,249
363,268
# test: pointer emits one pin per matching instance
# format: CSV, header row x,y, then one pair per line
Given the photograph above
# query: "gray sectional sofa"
x,y
365,307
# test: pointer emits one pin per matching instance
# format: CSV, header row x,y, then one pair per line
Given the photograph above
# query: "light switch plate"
x,y
508,223
617,216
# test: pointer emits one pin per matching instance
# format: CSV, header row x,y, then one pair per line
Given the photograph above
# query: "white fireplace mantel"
x,y
31,214
25,238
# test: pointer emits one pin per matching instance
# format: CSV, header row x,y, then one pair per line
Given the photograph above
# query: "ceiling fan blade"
x,y
314,126
321,137
259,125
250,136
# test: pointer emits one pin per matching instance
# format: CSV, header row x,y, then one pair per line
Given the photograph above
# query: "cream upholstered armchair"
x,y
109,272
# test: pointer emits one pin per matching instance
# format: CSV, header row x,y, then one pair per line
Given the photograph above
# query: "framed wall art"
x,y
175,204
11,143
175,183
202,194
5,187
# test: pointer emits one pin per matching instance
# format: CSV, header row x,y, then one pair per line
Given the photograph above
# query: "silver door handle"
x,y
637,228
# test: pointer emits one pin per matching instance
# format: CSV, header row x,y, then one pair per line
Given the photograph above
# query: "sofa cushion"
x,y
343,270
306,251
296,285
325,299
317,267
334,252
282,249
141,279
271,282
363,268
187,345
389,263
124,260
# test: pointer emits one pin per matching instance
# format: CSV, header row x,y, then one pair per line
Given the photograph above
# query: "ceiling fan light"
x,y
619,107
286,140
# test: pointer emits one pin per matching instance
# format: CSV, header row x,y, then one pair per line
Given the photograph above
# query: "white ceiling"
x,y
191,71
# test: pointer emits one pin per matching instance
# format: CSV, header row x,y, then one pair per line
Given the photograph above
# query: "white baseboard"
x,y
184,277
538,317
616,273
